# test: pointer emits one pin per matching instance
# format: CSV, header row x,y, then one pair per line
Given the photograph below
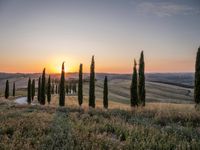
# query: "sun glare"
x,y
58,69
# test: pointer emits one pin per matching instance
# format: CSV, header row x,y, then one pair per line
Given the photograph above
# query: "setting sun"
x,y
58,69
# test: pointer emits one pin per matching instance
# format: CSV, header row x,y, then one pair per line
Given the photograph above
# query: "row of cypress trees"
x,y
80,87
138,92
71,88
44,89
137,89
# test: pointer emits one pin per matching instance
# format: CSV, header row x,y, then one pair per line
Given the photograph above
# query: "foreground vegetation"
x,y
157,126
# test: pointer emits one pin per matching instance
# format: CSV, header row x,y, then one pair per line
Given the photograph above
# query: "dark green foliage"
x,y
80,85
92,84
49,90
56,89
29,95
14,89
74,87
7,89
105,93
43,88
62,87
52,89
39,90
70,88
141,86
33,89
60,135
134,86
67,88
197,79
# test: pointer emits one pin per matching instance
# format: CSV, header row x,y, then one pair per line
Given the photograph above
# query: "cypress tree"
x,y
70,87
141,86
49,90
14,89
43,88
74,87
197,79
52,89
67,88
62,87
7,89
29,95
33,89
134,86
105,93
56,89
39,90
80,85
92,84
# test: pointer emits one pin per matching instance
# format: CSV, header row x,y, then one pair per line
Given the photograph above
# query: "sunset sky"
x,y
43,33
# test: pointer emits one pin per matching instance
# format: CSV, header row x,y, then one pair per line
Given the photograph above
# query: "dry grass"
x,y
22,127
156,126
73,101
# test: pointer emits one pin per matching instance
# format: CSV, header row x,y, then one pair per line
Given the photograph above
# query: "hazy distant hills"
x,y
179,79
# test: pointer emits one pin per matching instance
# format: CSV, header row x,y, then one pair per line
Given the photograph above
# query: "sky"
x,y
43,33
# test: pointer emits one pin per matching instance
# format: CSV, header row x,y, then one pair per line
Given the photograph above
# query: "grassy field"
x,y
157,126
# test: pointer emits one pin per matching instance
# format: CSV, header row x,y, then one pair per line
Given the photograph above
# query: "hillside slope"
x,y
157,126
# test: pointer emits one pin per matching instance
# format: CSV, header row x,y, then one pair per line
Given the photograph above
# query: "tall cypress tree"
x,y
141,86
92,84
33,89
7,89
62,87
197,79
105,93
29,95
14,89
134,86
49,90
80,85
39,90
43,88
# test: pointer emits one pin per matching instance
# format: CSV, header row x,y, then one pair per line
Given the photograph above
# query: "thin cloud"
x,y
163,9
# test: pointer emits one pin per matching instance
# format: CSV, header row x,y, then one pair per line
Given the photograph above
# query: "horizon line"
x,y
168,72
